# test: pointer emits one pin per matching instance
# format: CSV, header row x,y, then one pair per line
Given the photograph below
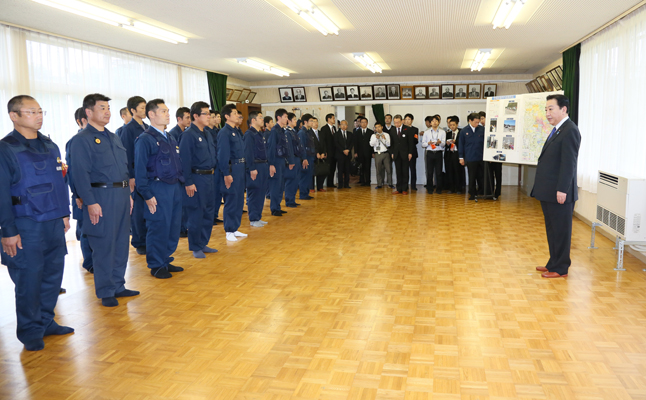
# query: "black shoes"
x,y
127,293
174,268
277,213
141,250
160,273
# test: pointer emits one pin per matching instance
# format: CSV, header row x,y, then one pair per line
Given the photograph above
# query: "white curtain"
x,y
58,73
612,101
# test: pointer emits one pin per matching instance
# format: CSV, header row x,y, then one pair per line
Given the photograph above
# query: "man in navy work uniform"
x,y
297,162
197,153
276,154
134,128
257,169
470,150
183,118
100,175
77,203
126,117
305,178
158,176
213,127
34,216
231,163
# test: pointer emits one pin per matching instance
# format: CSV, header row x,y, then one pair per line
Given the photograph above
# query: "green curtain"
x,y
378,110
571,80
217,89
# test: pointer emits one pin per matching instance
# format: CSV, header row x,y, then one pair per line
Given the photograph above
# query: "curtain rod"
x,y
607,24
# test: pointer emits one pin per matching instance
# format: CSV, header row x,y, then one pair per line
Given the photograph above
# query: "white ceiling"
x,y
411,37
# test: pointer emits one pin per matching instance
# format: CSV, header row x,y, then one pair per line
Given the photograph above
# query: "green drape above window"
x,y
378,110
571,80
217,89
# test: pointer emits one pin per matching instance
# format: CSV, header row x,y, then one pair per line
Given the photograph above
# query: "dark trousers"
x,y
37,272
218,193
453,171
137,222
305,179
200,209
401,167
330,178
343,163
292,178
558,226
413,172
256,190
164,225
366,163
476,176
276,186
495,178
434,168
86,250
233,198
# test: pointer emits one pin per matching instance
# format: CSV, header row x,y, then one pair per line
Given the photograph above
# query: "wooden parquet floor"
x,y
357,294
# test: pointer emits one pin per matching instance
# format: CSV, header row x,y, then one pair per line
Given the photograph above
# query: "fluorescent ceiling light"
x,y
507,12
367,62
143,32
160,33
262,67
313,15
480,59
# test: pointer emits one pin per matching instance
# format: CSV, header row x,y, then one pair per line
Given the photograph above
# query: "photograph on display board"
x,y
510,126
420,92
500,157
508,143
299,94
511,107
380,92
447,91
490,90
352,92
286,95
393,92
235,95
474,91
434,92
493,125
366,92
460,91
325,94
492,142
407,92
339,92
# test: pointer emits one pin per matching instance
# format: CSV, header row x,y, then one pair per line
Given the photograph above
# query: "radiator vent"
x,y
609,180
611,220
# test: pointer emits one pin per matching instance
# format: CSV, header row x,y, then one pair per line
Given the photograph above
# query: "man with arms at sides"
x,y
321,151
433,141
413,133
213,128
131,131
403,145
197,153
454,171
101,178
363,150
231,163
33,225
183,119
277,153
305,179
380,142
343,144
268,124
470,150
126,117
295,162
257,169
555,184
327,133
159,179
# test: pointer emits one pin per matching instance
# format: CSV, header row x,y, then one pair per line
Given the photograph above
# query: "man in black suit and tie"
x,y
299,95
363,150
343,143
555,184
327,134
352,95
321,150
403,146
489,92
413,133
339,94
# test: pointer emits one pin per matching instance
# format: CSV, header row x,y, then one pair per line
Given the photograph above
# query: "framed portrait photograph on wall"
x,y
380,92
434,92
407,92
286,95
474,91
352,92
366,92
393,92
299,94
490,89
325,94
339,92
460,91
251,96
235,95
420,92
447,91
244,95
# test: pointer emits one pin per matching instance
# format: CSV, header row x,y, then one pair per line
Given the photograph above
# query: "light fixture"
x,y
109,17
313,15
507,12
480,59
262,67
367,62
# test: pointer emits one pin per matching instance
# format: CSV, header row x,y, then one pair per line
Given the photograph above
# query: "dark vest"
x,y
299,150
259,146
282,145
165,164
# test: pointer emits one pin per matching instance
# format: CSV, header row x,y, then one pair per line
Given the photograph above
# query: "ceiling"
x,y
409,37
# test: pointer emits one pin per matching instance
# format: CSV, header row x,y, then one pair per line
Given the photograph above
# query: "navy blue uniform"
x,y
158,174
292,175
33,203
306,174
216,174
256,160
231,161
99,164
471,149
176,133
77,213
118,131
276,154
197,152
130,133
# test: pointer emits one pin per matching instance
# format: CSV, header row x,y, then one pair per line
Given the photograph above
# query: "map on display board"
x,y
516,128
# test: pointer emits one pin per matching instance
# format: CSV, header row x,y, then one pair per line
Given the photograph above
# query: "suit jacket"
x,y
557,165
489,94
460,94
301,97
414,132
403,146
362,143
449,135
319,145
343,144
353,96
328,137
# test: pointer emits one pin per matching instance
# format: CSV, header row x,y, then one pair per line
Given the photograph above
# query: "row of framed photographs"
x,y
550,81
240,95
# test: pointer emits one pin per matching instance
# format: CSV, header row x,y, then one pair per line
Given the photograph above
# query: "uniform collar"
x,y
560,124
23,140
95,131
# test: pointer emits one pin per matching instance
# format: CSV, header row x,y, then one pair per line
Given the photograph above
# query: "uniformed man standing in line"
x,y
269,125
126,117
134,128
34,216
231,163
257,169
306,174
159,179
197,153
299,160
183,117
100,175
213,128
277,154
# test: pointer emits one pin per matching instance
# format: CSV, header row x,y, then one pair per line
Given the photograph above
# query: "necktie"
x,y
363,132
399,132
344,138
551,133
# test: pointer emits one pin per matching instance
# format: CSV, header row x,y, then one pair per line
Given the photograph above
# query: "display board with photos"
x,y
440,91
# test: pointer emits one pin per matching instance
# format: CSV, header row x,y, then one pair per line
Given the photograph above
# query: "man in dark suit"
x,y
555,184
489,92
403,146
454,171
321,151
352,95
286,96
339,94
366,94
327,132
470,150
363,150
326,95
343,141
460,93
413,133
299,95
448,94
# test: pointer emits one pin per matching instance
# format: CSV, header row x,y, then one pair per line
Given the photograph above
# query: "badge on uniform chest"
x,y
97,140
177,147
233,133
200,139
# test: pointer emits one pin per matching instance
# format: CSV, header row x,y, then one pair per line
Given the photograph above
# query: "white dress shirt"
x,y
432,135
558,126
380,145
